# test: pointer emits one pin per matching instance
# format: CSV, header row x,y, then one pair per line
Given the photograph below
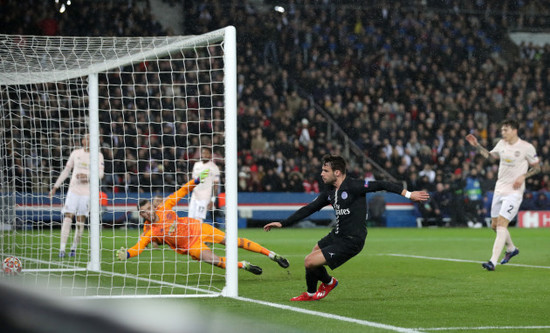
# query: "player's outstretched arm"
x,y
268,226
173,199
417,195
135,250
473,141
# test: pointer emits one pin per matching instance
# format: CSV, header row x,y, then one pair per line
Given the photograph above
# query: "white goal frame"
x,y
33,70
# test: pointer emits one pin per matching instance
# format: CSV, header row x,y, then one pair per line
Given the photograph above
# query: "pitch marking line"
x,y
455,260
332,316
485,328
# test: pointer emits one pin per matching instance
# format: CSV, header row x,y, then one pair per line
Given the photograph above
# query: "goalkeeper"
x,y
186,235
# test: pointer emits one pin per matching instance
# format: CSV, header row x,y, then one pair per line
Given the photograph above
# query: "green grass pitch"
x,y
404,280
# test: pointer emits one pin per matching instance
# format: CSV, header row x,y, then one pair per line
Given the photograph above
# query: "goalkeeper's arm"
x,y
171,201
135,250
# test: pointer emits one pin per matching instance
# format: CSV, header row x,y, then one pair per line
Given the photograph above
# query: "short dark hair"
x,y
142,203
512,123
335,162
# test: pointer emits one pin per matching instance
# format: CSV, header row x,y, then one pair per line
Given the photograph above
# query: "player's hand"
x,y
472,139
518,182
420,196
268,226
52,192
122,254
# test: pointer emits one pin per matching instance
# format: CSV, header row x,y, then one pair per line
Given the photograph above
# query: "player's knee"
x,y
310,262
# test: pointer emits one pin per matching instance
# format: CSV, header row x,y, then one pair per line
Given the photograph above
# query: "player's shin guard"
x,y
65,231
249,245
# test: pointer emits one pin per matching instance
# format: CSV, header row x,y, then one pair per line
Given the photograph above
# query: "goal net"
x,y
148,106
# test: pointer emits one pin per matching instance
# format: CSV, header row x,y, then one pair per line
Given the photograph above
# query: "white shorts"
x,y
198,209
78,205
506,206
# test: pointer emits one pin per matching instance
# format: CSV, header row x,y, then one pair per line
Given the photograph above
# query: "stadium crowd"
x,y
406,83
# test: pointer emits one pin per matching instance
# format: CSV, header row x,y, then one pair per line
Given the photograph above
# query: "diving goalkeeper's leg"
x,y
206,255
215,235
249,245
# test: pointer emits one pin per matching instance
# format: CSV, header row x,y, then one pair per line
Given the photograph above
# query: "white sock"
x,y
65,231
499,244
331,282
509,244
78,234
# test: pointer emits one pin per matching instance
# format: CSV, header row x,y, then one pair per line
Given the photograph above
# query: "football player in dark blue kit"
x,y
348,198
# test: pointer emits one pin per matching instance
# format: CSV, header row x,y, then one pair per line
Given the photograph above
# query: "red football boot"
x,y
303,297
324,289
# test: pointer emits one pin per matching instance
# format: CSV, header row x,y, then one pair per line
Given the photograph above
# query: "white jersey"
x,y
79,163
514,162
203,191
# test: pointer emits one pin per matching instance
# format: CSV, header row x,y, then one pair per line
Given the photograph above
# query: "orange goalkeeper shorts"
x,y
209,234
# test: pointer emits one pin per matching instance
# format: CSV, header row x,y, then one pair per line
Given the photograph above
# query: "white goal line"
x,y
72,268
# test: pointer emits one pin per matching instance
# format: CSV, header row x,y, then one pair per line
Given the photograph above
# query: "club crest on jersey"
x,y
344,195
366,183
516,154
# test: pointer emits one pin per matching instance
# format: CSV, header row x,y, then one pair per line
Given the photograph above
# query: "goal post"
x,y
148,105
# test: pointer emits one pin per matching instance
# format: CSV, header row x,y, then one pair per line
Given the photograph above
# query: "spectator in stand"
x,y
385,90
542,202
295,182
456,189
473,200
442,199
528,202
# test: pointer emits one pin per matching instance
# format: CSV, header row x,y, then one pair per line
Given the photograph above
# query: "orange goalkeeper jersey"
x,y
186,232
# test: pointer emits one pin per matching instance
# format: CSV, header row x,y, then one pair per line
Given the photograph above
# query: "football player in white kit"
x,y
204,195
518,161
77,201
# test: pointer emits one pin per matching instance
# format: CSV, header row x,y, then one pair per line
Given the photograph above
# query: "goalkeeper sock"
x,y
78,234
249,245
65,231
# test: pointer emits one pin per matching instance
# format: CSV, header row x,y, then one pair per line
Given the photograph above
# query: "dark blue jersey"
x,y
349,203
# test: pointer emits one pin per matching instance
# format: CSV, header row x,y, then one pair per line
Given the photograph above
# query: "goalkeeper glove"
x,y
122,254
202,176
